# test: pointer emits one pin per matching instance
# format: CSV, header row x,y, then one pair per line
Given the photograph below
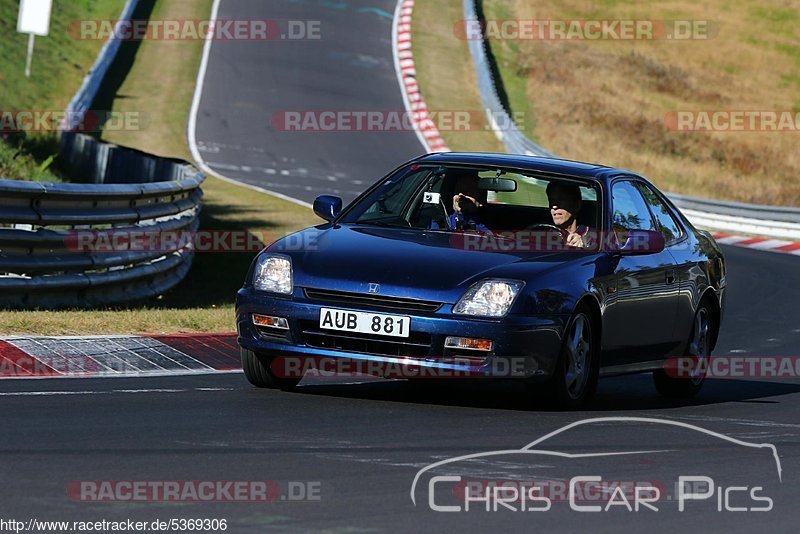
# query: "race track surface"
x,y
362,444
250,85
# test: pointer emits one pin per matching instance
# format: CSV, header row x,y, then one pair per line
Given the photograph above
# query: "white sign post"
x,y
34,19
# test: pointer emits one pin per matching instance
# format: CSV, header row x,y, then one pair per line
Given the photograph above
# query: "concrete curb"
x,y
34,357
759,243
414,102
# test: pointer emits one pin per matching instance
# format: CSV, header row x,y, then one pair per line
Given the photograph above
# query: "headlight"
x,y
489,298
274,274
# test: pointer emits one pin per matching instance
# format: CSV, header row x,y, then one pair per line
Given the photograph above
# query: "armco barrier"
x,y
131,195
772,221
514,140
94,161
40,267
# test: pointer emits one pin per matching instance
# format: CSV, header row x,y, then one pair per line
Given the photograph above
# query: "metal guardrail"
x,y
773,221
46,260
42,264
738,209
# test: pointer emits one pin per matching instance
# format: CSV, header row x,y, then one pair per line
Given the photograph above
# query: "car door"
x,y
688,273
642,293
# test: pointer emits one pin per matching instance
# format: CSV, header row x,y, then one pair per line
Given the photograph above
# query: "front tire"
x,y
574,380
699,348
257,370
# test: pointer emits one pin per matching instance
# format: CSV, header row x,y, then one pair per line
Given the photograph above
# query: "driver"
x,y
467,204
565,203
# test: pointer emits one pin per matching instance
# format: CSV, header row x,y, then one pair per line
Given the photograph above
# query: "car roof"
x,y
525,163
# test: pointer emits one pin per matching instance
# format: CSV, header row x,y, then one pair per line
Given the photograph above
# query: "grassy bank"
x,y
606,101
59,66
159,85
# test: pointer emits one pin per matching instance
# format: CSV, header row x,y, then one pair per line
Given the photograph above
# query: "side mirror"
x,y
641,242
327,206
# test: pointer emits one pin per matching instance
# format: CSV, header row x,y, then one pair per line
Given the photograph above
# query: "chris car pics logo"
x,y
445,488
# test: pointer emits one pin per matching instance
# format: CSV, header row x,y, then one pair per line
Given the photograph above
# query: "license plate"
x,y
365,323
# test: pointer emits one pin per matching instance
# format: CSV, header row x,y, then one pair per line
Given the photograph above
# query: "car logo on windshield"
x,y
374,288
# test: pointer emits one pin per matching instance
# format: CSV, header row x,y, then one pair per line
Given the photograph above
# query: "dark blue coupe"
x,y
549,271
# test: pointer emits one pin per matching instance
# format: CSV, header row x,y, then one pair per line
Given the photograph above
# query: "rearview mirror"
x,y
641,242
327,206
505,185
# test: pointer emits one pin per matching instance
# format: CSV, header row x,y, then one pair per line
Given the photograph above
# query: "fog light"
x,y
269,321
468,343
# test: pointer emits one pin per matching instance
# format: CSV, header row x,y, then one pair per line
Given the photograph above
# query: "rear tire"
x,y
574,380
699,347
257,370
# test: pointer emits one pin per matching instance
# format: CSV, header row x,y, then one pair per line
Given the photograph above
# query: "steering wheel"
x,y
546,226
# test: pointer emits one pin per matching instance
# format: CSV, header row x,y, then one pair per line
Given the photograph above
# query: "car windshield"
x,y
457,198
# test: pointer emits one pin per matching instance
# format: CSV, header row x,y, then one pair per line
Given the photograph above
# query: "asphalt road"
x,y
361,445
250,86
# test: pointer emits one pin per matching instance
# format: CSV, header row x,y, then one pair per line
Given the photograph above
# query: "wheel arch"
x,y
589,300
710,296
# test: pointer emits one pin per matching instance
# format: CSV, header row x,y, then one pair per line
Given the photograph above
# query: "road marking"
x,y
55,393
375,11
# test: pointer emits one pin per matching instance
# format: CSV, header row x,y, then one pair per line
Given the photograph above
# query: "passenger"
x,y
565,204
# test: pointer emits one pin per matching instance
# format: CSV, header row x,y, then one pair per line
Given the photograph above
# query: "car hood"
x,y
427,265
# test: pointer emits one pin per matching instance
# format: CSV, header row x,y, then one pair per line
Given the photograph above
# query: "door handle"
x,y
670,277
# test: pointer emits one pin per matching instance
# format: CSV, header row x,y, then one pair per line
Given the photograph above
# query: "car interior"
x,y
504,210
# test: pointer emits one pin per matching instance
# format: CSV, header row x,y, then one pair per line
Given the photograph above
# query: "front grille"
x,y
417,345
369,300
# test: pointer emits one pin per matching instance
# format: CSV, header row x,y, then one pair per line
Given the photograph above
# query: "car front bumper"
x,y
523,347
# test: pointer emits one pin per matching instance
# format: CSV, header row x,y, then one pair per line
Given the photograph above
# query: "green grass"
x,y
59,66
164,102
18,162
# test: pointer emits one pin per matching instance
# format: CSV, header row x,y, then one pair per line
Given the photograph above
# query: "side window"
x,y
669,227
629,211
